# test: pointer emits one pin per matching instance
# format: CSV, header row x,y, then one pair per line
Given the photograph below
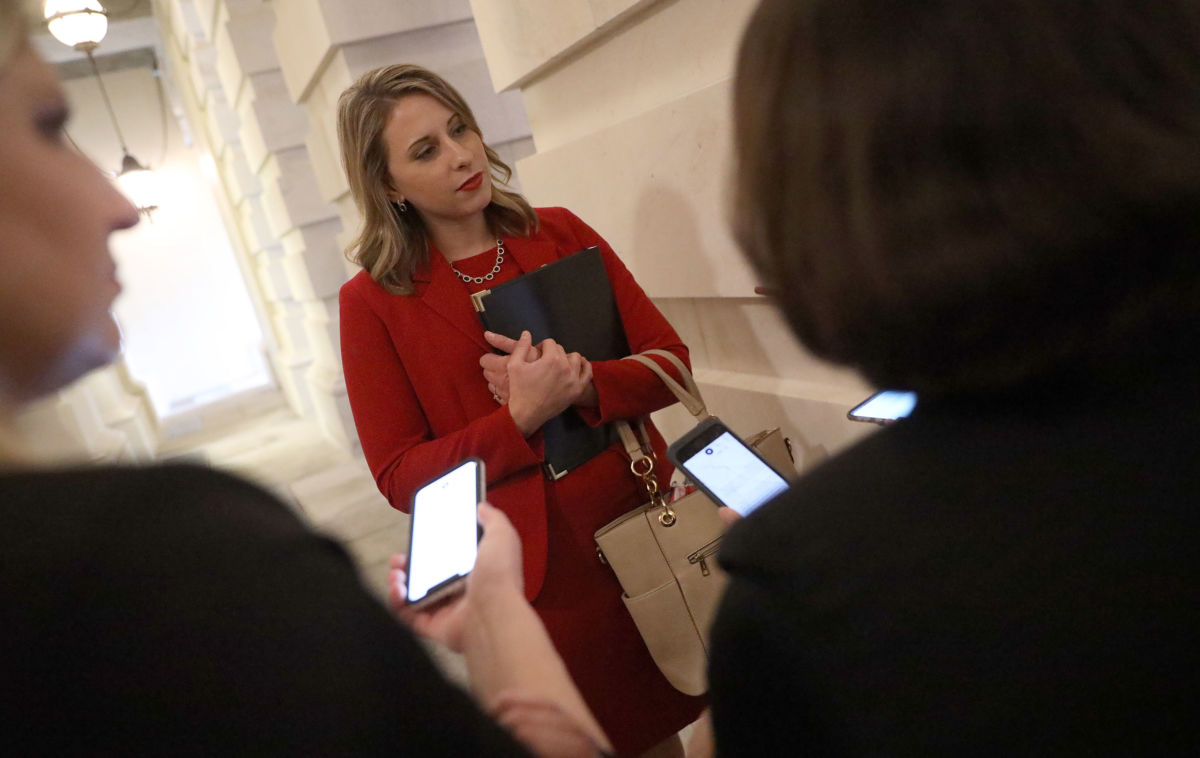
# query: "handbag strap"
x,y
641,462
688,393
641,454
637,444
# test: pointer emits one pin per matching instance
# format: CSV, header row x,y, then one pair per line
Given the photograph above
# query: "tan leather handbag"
x,y
663,553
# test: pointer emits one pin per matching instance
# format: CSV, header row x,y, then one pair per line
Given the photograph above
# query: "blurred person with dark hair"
x,y
995,204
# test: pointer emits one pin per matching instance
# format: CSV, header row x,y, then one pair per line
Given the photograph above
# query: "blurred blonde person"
x,y
173,609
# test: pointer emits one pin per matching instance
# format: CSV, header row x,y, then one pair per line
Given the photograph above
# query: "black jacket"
x,y
1007,574
174,610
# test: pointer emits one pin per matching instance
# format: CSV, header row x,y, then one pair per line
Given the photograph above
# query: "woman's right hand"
x,y
540,389
495,365
728,516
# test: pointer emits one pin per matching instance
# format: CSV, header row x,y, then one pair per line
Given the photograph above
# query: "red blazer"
x,y
420,401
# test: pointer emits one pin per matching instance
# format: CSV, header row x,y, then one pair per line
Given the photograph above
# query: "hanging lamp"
x,y
139,184
80,24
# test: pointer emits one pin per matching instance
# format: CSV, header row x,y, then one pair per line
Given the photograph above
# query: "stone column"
x,y
225,66
263,80
104,417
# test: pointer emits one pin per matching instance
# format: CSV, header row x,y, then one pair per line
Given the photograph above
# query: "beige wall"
x,y
629,104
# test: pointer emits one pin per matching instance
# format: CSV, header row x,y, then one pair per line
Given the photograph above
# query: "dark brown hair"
x,y
392,245
961,194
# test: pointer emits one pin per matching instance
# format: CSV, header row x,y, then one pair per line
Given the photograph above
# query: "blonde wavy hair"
x,y
391,246
13,33
14,30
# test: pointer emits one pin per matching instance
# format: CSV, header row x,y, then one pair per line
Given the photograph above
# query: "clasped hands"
x,y
536,382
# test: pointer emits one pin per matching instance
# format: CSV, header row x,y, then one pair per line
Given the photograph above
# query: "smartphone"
x,y
884,407
726,469
444,536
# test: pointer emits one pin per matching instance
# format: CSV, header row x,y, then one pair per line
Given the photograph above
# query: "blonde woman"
x,y
428,389
175,610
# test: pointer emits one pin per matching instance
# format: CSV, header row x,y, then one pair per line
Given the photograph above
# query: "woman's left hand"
x,y
442,622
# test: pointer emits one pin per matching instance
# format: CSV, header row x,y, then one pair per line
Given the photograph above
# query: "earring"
x,y
402,207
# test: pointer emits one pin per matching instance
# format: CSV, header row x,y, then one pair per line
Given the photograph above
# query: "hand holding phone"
x,y
884,407
726,469
498,571
444,533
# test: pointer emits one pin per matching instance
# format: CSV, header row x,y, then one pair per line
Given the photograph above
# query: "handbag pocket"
x,y
677,649
702,585
628,545
664,554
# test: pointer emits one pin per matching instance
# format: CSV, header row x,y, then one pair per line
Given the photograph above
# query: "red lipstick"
x,y
472,183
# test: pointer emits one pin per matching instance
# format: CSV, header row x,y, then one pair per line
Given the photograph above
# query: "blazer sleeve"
x,y
627,389
398,440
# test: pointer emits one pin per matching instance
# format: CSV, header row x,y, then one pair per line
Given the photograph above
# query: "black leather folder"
x,y
571,302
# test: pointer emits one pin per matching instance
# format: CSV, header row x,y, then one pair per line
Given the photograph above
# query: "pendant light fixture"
x,y
139,184
81,24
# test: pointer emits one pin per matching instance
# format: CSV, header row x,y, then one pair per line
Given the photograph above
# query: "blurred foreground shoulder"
x,y
175,608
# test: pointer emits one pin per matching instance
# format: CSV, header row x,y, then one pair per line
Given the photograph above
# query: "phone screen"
x,y
736,476
884,407
445,532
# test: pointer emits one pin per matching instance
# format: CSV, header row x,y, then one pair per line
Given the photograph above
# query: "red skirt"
x,y
580,604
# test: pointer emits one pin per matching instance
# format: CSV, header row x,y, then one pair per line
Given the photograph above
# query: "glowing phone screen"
x,y
444,531
735,475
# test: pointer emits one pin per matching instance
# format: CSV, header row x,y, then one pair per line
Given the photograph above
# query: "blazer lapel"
x,y
445,295
531,253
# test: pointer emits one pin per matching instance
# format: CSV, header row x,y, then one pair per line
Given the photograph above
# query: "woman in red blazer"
x,y
428,388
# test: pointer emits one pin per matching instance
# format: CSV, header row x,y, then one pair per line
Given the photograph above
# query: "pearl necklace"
x,y
490,275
